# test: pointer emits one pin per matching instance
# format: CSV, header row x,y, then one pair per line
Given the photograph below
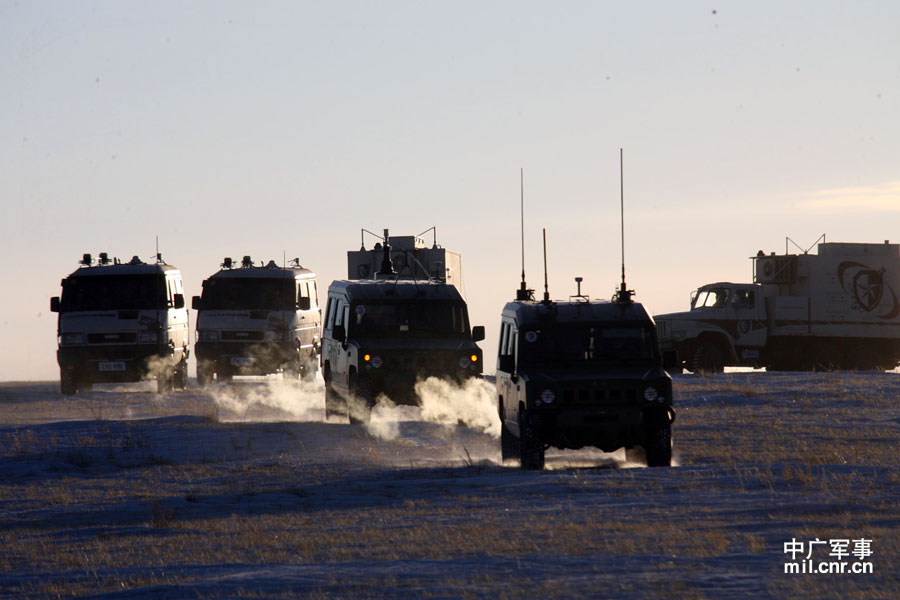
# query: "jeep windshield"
x,y
585,343
114,292
399,319
249,293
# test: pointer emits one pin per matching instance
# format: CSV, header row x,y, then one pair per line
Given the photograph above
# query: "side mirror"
x,y
54,304
303,303
478,333
506,363
339,333
195,302
179,300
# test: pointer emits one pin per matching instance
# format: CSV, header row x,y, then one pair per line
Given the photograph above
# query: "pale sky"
x,y
282,128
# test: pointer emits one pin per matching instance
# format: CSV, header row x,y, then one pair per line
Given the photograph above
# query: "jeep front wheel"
x,y
531,447
658,446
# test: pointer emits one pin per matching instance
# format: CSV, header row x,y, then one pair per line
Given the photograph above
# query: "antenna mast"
x,y
546,288
523,294
623,294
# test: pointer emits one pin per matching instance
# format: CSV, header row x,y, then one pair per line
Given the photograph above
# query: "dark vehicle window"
x,y
244,294
114,292
588,343
744,299
413,319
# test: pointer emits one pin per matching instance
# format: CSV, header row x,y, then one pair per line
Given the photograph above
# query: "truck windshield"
x,y
711,298
409,319
114,292
586,343
249,294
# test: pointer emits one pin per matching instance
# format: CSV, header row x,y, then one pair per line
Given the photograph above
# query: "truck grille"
x,y
113,337
243,336
586,396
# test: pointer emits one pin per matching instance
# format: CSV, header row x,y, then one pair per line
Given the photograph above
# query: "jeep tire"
x,y
531,448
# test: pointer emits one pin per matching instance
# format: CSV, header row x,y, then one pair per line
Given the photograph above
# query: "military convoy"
x,y
837,309
387,328
121,322
570,374
256,320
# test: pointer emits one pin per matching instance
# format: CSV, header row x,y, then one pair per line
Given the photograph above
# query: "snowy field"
x,y
246,491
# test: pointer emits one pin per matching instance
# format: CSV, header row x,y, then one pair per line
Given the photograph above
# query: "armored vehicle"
x,y
382,335
121,322
256,320
837,309
582,373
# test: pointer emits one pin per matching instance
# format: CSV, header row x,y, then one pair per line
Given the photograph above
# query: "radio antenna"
x,y
546,288
623,295
523,294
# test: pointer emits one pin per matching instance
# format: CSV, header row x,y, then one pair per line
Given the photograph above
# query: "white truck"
x,y
256,320
834,310
121,322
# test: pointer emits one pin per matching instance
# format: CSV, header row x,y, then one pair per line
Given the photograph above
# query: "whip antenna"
x,y
523,294
623,294
546,288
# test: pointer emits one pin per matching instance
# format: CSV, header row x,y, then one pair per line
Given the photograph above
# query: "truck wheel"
x,y
359,404
659,447
67,384
165,380
707,359
509,444
181,375
308,369
204,374
531,448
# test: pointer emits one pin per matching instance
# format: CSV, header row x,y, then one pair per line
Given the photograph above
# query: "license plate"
x,y
240,361
112,366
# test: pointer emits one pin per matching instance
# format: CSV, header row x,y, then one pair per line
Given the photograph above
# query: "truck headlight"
x,y
207,335
148,337
376,361
650,394
547,396
71,339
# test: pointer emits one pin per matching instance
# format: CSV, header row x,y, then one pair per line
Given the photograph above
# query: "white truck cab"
x,y
256,320
121,322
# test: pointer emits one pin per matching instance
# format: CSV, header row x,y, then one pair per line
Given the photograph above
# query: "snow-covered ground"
x,y
247,491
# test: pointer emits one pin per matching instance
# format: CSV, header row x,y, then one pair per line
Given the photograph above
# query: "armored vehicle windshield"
x,y
409,319
249,293
589,343
114,292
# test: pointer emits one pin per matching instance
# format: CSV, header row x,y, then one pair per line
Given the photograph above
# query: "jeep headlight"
x,y
651,395
148,337
207,335
71,339
548,396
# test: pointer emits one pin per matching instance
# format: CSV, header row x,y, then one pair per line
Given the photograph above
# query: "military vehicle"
x,y
837,309
256,320
121,322
582,373
383,334
579,373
